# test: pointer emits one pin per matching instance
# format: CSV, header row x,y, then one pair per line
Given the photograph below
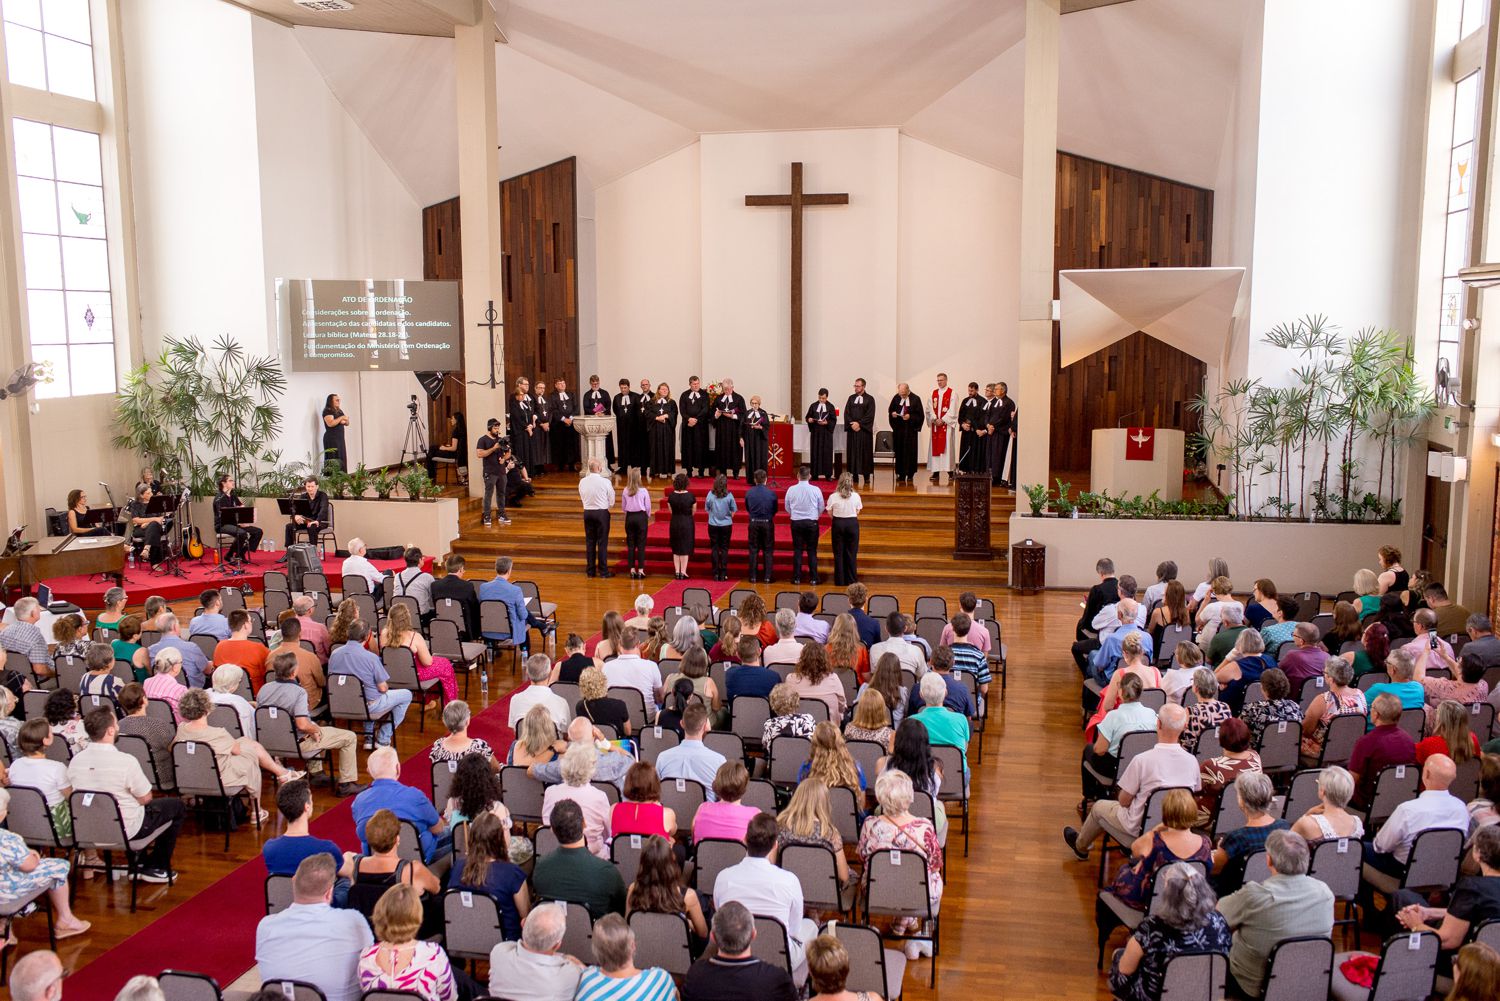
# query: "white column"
x,y
479,221
1033,388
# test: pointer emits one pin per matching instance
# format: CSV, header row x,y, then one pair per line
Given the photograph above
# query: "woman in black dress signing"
x,y
334,423
682,504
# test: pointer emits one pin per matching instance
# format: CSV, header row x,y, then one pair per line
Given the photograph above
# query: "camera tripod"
x,y
415,443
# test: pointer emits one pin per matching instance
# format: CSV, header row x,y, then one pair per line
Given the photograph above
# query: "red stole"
x,y
941,401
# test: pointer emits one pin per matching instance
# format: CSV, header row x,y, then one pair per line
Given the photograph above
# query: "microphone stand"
x,y
114,525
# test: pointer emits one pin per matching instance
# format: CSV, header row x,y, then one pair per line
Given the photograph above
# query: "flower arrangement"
x,y
714,391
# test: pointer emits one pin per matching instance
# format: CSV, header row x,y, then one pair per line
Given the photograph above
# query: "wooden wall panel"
x,y
1114,217
442,260
539,220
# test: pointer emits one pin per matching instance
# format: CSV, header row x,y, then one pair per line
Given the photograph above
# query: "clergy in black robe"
x,y
971,431
757,437
643,422
729,413
821,420
859,429
661,432
693,409
541,446
565,446
907,418
631,446
596,403
993,415
520,423
1005,423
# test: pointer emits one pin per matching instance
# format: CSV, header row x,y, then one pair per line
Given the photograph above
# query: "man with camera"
x,y
493,450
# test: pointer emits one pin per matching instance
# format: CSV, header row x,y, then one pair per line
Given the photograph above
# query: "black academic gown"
x,y
821,421
662,434
596,403
1005,421
994,414
729,412
907,418
629,447
521,419
565,449
756,435
541,442
971,444
861,444
693,405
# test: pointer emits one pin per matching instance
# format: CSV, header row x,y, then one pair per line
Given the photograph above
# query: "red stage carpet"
x,y
214,932
201,575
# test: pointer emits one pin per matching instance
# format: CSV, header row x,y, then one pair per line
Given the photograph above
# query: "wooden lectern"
x,y
971,516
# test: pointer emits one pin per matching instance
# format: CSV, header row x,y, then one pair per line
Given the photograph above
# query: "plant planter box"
x,y
430,525
1298,556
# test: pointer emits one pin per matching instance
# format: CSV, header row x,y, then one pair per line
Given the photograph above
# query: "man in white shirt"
x,y
310,940
598,495
103,767
909,654
786,649
358,565
1108,619
538,671
805,624
1433,809
535,968
1164,766
768,891
630,670
414,582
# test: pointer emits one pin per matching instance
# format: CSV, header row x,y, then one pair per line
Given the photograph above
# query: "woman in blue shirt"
x,y
721,507
485,867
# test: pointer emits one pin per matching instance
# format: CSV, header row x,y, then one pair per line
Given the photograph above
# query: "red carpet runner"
x,y
214,932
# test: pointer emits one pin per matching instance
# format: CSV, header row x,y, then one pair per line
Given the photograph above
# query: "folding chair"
x,y
1299,968
1280,745
401,664
346,701
1257,866
98,826
1309,605
1110,912
180,985
295,990
872,967
1482,720
442,774
1466,783
275,603
276,729
445,639
161,709
1395,785
712,856
997,654
653,740
929,606
1208,745
683,797
278,893
1368,681
1413,722
866,754
730,745
1119,835
787,754
69,671
770,944
205,643
544,842
635,703
1170,637
816,868
34,702
625,853
353,584
31,818
1311,689
137,748
409,842
1432,864
816,708
1302,794
761,794
1337,863
896,887
930,628
1408,969
845,806
662,940
198,775
407,600
1131,744
522,795
1152,698
610,790
835,603
747,718
1340,738
881,605
578,938
494,626
225,718
954,787
471,924
1191,976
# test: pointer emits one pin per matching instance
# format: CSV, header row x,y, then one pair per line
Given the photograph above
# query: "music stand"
x,y
290,506
95,517
167,505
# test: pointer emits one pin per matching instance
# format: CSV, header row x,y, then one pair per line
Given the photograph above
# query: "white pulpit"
x,y
1138,461
594,429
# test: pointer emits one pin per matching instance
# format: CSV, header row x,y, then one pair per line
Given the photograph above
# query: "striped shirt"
x,y
969,659
653,984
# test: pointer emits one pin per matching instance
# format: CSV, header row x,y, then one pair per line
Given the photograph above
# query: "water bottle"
x,y
484,683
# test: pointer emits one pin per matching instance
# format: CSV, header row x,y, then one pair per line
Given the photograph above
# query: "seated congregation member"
x,y
895,827
166,679
310,940
1261,608
321,514
571,667
284,854
846,652
1103,661
1345,629
908,655
787,716
1475,900
70,636
1371,653
1218,774
399,960
869,628
1133,661
968,658
786,648
1384,745
807,625
814,679
1287,904
768,891
1109,618
1393,615
808,820
413,581
1466,687
1339,697
372,874
1278,706
1283,622
944,726
609,765
630,670
536,742
1210,613
102,767
1178,678
1205,714
640,811
1172,840
595,703
226,681
694,669
726,646
240,759
61,711
1424,623
401,631
114,610
194,662
574,874
24,637
1103,755
155,732
537,692
357,564
33,769
885,681
1242,667
1254,792
1403,685
1483,645
615,975
1434,808
1449,734
100,661
1164,765
1232,627
1182,919
1306,658
453,587
750,676
486,867
535,968
24,873
576,769
724,816
958,698
912,754
830,762
1106,592
691,758
127,646
731,972
385,792
1171,609
475,793
522,620
1331,818
239,649
282,691
211,621
660,889
352,658
828,970
871,720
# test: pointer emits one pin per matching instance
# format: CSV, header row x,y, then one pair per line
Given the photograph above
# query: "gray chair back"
x,y
1299,968
730,745
683,797
816,708
578,938
1135,743
896,884
471,924
295,990
1488,933
443,773
346,698
137,748
1152,698
70,671
835,603
625,852
1311,689
521,794
845,806
817,870
788,753
748,715
96,821
653,740
276,730
866,754
1170,637
276,602
1336,863
1302,796
31,818
1466,783
1413,722
1395,785
278,893
1194,976
205,643
180,985
869,969
770,944
713,856
881,605
1338,742
226,718
662,940
1406,972
761,794
1209,746
928,605
198,770
930,628
1257,866
635,703
1280,743
409,842
1434,860
544,842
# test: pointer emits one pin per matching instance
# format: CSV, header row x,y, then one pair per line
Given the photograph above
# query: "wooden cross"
x,y
795,201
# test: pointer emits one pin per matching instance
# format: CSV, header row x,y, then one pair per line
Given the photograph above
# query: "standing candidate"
x,y
632,447
520,419
565,448
761,505
598,495
804,505
334,422
541,446
661,431
757,432
843,510
859,428
821,419
596,404
1005,430
943,420
729,412
693,409
971,431
906,427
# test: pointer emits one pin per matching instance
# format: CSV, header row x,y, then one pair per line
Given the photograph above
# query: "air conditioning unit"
x,y
324,6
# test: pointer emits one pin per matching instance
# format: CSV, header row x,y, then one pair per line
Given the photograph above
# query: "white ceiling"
x,y
1146,84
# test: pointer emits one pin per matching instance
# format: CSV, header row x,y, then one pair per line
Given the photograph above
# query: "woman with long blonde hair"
x,y
536,738
845,651
1451,734
830,762
808,820
400,631
609,637
843,511
636,503
343,617
657,638
872,720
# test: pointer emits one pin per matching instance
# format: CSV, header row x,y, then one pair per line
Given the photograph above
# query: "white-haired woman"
x,y
896,827
226,680
458,743
644,605
1183,919
1331,817
578,765
685,636
1205,714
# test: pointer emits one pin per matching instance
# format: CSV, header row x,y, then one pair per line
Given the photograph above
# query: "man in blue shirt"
x,y
521,619
748,677
1102,663
804,506
386,792
310,940
353,659
761,505
958,698
692,759
194,661
284,854
1400,666
869,628
212,621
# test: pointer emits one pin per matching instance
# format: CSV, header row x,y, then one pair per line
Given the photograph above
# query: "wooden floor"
x,y
1017,913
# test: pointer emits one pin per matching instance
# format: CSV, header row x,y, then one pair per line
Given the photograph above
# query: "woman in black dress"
x,y
661,432
682,503
756,434
453,446
521,424
821,418
334,423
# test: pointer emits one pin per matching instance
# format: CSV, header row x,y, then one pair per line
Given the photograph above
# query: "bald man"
x,y
907,418
1433,809
38,976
